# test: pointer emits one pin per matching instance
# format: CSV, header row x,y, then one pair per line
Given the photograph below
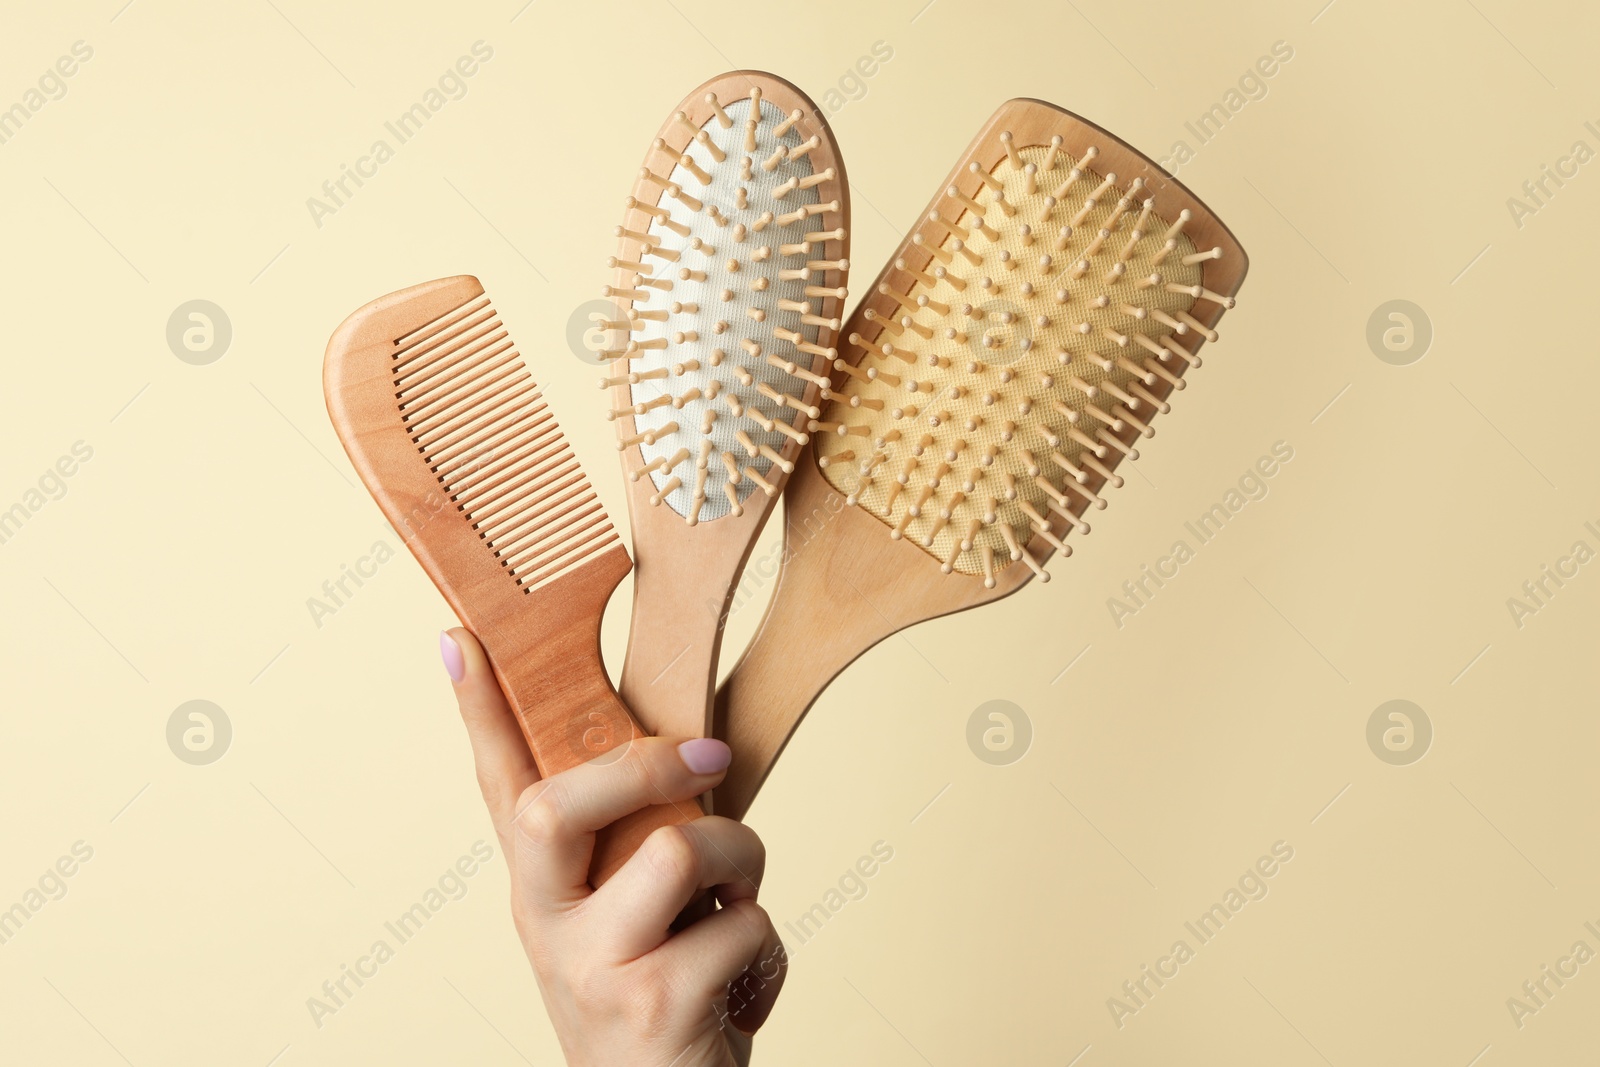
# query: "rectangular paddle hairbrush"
x,y
454,441
1038,317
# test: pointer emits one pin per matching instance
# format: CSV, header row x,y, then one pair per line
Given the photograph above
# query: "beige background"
x,y
1227,715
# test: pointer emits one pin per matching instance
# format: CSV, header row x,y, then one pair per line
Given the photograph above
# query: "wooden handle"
x,y
557,686
829,607
683,582
620,840
593,723
846,584
673,639
686,572
491,501
762,702
614,845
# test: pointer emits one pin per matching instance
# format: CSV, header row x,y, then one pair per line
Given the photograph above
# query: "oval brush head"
x,y
731,281
729,288
1042,313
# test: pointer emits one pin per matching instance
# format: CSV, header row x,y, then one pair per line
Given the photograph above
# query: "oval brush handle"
x,y
673,636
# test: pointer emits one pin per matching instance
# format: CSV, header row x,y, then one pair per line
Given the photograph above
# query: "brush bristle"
x,y
482,426
1033,332
720,336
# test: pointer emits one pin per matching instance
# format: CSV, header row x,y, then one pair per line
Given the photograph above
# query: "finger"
x,y
733,959
505,766
556,819
636,907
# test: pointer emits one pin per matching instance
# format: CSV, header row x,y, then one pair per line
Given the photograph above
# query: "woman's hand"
x,y
621,986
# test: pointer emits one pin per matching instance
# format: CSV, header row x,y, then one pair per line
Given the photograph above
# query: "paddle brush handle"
x,y
825,612
759,706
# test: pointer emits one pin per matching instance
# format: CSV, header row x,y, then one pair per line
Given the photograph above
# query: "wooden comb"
x,y
729,285
454,441
1042,310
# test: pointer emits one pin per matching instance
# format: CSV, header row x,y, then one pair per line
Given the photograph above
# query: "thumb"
x,y
505,765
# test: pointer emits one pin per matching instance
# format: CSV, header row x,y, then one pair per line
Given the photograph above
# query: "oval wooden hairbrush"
x,y
1040,313
454,441
729,287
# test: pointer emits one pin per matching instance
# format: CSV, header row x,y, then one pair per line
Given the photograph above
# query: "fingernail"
x,y
454,662
705,755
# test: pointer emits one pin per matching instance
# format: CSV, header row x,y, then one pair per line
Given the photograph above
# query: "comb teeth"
x,y
996,376
722,334
478,418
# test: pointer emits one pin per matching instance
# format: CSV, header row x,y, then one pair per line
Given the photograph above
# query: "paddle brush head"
x,y
1040,315
729,286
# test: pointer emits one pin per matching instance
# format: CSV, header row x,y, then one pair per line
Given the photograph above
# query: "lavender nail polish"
x,y
705,755
450,652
